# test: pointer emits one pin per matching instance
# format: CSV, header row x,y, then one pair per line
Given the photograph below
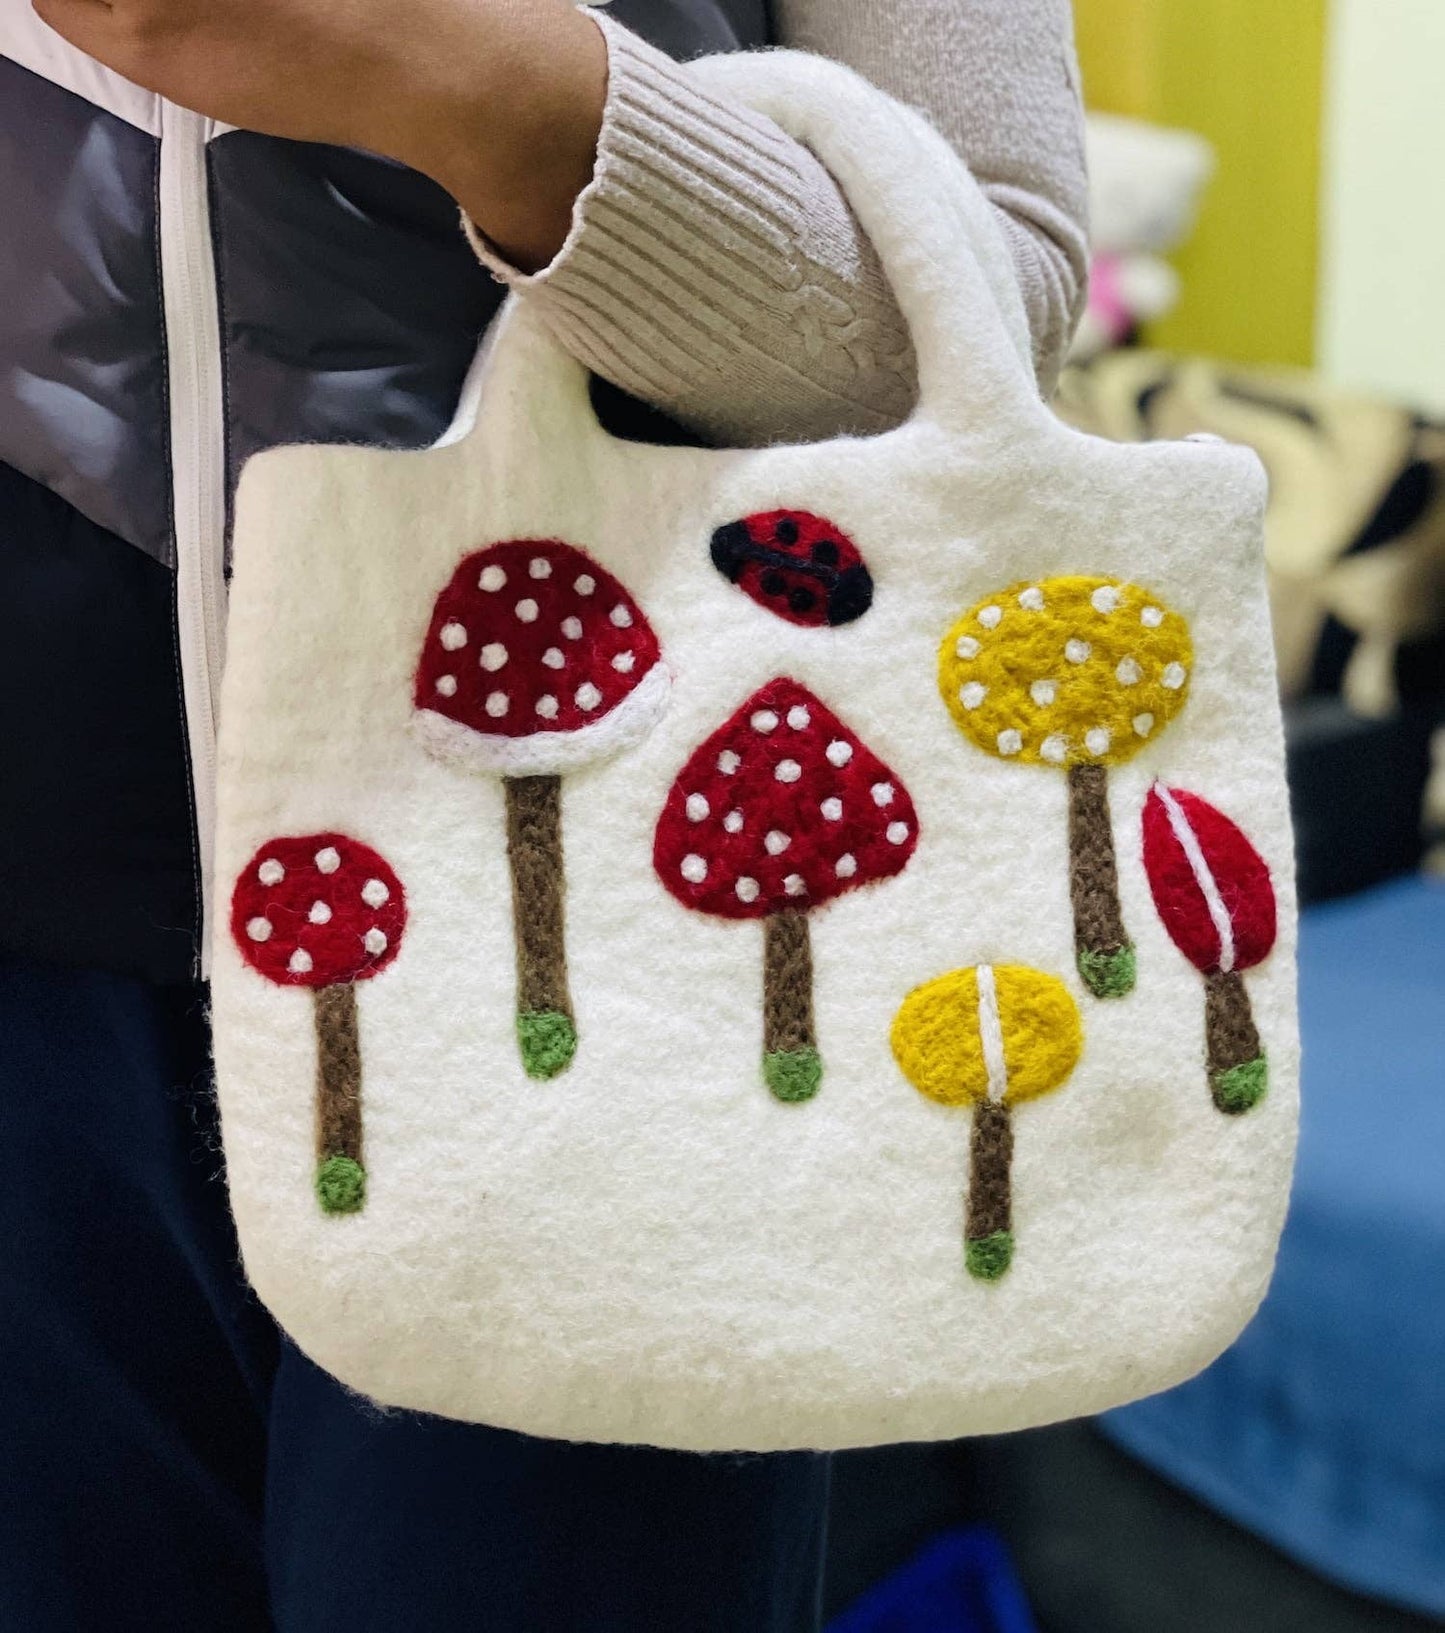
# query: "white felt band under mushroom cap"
x,y
549,753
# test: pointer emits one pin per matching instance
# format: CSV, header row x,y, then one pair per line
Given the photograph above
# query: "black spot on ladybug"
x,y
796,566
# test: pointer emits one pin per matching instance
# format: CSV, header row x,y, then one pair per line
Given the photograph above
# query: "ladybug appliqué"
x,y
796,565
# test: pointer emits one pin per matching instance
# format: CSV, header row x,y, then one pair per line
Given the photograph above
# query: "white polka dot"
x,y
1143,724
1032,599
832,809
846,865
694,869
584,584
1152,617
258,929
733,822
1054,748
624,662
1043,692
747,889
1077,651
1128,673
588,697
492,579
496,704
882,793
697,807
621,616
320,913
989,617
375,893
1174,676
787,771
795,885
539,567
1097,741
798,717
328,859
453,636
527,610
775,842
447,685
374,941
572,628
299,962
553,658
728,762
270,872
763,720
494,655
547,706
971,695
838,752
897,832
966,647
1106,599
1010,742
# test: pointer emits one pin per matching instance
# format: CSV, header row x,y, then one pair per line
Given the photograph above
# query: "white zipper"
x,y
198,459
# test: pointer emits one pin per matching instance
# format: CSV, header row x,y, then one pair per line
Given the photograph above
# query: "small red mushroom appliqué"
x,y
796,565
779,811
537,662
1215,896
323,911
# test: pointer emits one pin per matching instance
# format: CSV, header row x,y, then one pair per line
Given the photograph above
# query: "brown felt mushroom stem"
x,y
340,1175
1105,954
546,1027
988,1221
1236,1063
791,1064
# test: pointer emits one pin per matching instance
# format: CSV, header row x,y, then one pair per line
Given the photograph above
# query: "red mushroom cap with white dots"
x,y
536,661
780,810
317,910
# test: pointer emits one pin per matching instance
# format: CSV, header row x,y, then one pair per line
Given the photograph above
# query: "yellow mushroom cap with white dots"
x,y
1066,671
1002,1032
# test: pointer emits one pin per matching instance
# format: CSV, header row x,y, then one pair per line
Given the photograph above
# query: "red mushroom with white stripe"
x,y
782,809
1214,893
537,662
323,911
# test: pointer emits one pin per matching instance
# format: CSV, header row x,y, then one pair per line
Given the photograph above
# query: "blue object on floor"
x,y
1323,1428
962,1582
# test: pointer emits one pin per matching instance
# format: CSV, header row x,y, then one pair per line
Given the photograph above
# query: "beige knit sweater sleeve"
x,y
713,267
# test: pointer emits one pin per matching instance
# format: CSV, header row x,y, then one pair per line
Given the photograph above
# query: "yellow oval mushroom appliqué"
x,y
1066,671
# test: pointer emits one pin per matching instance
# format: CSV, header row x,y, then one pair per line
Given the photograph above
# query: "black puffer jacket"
x,y
174,296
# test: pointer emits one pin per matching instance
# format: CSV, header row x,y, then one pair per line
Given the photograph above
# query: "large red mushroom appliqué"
x,y
324,912
537,662
796,565
1215,896
782,809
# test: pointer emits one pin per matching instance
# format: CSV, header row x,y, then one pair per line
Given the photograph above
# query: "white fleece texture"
x,y
650,1248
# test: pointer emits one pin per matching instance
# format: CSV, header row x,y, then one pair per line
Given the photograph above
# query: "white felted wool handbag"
x,y
788,948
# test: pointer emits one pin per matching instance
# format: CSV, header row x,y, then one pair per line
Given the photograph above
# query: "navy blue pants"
x,y
167,1462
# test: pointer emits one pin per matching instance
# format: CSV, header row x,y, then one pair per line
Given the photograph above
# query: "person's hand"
x,y
498,100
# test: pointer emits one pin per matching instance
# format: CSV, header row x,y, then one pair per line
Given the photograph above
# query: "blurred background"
x,y
1269,265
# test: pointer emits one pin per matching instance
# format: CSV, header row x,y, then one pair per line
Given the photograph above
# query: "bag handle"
x,y
934,232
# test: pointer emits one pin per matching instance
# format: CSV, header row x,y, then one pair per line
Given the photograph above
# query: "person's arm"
x,y
714,268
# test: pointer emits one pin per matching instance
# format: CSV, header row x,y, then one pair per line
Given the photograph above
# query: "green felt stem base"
x,y
989,1257
1242,1087
1108,975
548,1041
793,1075
340,1185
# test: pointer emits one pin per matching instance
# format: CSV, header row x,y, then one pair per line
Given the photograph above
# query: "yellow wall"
x,y
1248,75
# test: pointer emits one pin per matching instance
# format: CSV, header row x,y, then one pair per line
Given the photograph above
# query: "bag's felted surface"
x,y
651,1246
